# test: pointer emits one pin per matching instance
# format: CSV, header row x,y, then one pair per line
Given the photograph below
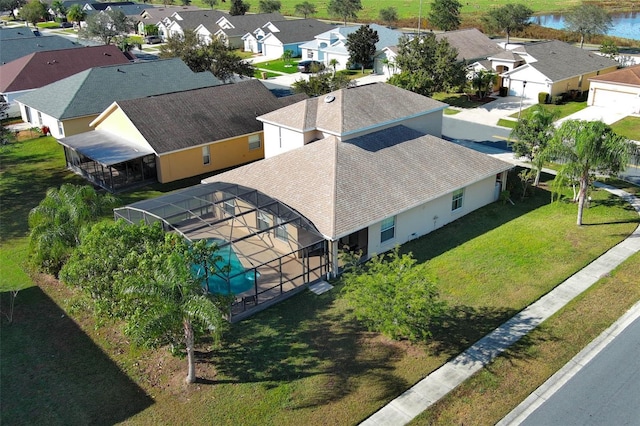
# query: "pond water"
x,y
625,25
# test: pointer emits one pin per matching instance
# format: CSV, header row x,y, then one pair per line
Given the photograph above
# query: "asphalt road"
x,y
604,392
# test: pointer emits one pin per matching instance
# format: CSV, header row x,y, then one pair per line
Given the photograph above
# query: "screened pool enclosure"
x,y
266,251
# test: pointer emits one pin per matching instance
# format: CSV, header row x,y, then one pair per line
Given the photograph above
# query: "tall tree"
x,y
210,3
216,57
269,6
106,26
238,7
305,9
482,82
427,65
346,9
59,9
392,295
34,12
11,6
388,15
609,48
587,19
6,134
508,18
361,45
56,223
174,303
531,135
585,148
321,84
76,14
445,14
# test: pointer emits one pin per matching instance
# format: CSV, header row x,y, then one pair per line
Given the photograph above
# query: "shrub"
x,y
543,97
557,99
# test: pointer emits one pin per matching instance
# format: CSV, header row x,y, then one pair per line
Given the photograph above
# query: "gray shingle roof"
x,y
558,60
185,119
346,186
11,33
15,48
131,10
41,68
354,109
471,43
193,18
248,23
299,30
92,91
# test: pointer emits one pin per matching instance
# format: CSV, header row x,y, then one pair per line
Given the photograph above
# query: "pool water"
x,y
219,282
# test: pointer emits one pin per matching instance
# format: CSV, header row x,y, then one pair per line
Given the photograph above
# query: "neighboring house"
x,y
41,68
190,20
367,184
69,105
275,37
131,11
158,14
554,67
231,29
472,46
15,48
617,90
332,44
173,136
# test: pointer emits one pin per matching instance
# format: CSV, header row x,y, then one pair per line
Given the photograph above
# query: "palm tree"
x,y
57,222
531,134
172,303
76,14
333,63
585,148
286,57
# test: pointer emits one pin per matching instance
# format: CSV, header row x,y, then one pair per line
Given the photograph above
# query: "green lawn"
x,y
459,100
279,66
507,123
299,362
410,8
563,110
628,127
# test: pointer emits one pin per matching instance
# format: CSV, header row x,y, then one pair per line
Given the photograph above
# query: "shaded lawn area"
x,y
460,100
628,127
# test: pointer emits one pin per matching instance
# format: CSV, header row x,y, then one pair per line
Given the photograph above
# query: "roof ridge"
x,y
334,186
78,87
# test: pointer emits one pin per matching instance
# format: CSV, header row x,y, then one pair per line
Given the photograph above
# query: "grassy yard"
x,y
628,127
299,362
563,110
459,100
280,66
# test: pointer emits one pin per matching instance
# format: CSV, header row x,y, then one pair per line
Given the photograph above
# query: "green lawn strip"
x,y
564,110
279,66
501,386
628,127
451,111
459,100
503,122
264,74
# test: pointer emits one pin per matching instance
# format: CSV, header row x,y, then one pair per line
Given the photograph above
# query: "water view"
x,y
626,25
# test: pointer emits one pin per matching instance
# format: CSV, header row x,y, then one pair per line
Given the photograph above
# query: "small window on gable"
x,y
254,142
388,229
60,128
39,118
206,158
456,200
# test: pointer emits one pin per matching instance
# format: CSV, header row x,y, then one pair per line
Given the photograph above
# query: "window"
x,y
281,230
230,206
456,201
39,118
60,128
27,113
206,158
388,229
254,142
264,221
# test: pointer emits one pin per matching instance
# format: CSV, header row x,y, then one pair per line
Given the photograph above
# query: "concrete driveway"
x,y
595,113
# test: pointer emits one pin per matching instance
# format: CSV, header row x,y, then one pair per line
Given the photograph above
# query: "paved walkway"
x,y
436,385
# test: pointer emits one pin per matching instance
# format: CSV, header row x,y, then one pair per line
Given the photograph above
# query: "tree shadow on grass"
x,y
302,338
54,374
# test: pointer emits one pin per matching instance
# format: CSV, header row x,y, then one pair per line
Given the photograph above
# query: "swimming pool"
x,y
230,276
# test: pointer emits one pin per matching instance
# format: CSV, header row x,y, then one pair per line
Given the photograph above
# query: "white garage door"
x,y
611,99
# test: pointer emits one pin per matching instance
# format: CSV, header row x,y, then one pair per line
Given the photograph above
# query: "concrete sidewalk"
x,y
436,385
